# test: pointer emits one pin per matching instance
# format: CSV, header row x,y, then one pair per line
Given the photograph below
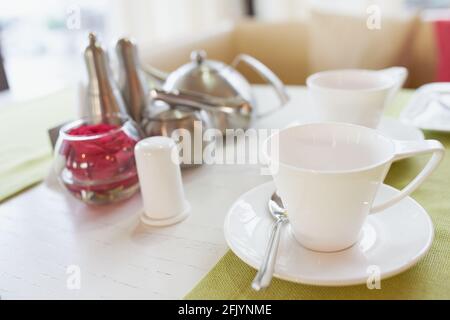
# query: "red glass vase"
x,y
95,161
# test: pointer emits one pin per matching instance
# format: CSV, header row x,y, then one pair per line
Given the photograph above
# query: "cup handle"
x,y
407,149
399,74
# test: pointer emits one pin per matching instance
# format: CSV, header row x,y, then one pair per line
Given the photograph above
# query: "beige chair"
x,y
293,50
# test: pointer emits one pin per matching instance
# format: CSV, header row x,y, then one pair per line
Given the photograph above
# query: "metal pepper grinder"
x,y
103,96
132,79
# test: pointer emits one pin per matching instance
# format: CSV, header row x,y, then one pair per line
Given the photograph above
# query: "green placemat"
x,y
429,279
25,150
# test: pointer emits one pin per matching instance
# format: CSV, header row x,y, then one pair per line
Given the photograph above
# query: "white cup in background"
x,y
355,96
328,175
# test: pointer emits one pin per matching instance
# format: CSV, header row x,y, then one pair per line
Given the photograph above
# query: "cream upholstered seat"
x,y
295,49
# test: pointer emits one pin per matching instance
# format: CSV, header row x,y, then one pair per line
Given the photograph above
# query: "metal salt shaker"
x,y
103,97
132,79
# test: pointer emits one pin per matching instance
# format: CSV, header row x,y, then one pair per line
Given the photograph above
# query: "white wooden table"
x,y
43,231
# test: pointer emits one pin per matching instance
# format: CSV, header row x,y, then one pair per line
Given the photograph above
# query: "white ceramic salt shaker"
x,y
160,179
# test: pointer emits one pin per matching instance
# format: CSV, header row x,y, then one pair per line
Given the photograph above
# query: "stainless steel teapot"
x,y
217,88
203,90
156,118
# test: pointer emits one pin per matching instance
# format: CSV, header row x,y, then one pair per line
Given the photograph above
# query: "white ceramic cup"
x,y
355,96
328,174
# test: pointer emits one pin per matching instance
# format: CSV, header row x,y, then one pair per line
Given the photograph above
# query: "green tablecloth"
x,y
429,279
25,149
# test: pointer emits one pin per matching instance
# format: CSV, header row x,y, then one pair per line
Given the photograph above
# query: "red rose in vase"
x,y
99,158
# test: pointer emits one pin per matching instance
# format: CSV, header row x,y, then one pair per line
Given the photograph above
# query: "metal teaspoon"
x,y
265,272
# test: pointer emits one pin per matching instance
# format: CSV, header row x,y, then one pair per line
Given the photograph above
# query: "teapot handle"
x,y
267,75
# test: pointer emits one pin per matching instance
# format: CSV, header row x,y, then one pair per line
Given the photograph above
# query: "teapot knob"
x,y
198,56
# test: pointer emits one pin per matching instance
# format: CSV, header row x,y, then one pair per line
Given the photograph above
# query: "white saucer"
x,y
392,241
396,129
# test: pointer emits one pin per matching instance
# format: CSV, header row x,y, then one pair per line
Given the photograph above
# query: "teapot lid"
x,y
209,77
